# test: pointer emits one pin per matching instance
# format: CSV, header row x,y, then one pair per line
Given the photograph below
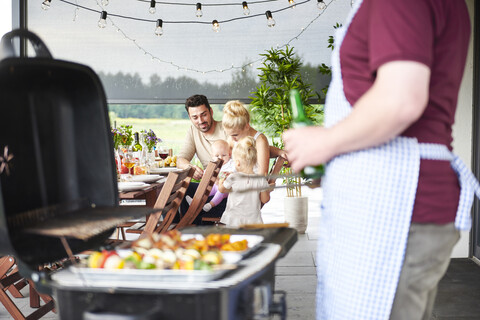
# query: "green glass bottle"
x,y
137,146
299,119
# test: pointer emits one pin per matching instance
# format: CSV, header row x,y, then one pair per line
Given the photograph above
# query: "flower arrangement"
x,y
122,136
150,139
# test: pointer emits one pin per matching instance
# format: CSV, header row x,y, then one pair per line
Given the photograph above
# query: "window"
x,y
135,65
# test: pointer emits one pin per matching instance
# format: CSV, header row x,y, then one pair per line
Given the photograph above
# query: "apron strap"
x,y
468,183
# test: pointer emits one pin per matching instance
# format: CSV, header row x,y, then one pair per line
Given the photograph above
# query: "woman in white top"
x,y
236,123
245,198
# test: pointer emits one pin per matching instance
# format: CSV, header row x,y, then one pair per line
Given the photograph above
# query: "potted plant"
x,y
271,113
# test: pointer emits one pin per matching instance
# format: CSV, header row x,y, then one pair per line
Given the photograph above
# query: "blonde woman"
x,y
245,199
236,124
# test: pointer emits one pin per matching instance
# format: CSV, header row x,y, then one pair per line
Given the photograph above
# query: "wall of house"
x,y
462,130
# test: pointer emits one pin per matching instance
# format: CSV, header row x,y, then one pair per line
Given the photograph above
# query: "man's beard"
x,y
206,127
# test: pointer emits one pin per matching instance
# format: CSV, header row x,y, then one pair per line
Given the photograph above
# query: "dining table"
x,y
149,195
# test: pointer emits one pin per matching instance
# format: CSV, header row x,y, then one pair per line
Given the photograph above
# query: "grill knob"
x,y
279,307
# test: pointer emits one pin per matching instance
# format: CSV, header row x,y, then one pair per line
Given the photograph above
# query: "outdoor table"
x,y
150,195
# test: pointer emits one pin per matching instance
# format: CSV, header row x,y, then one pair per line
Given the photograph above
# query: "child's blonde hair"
x,y
235,115
245,151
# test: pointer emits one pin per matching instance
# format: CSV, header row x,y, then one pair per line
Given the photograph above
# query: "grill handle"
x,y
107,315
7,49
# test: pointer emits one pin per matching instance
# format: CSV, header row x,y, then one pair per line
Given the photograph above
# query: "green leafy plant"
x,y
323,68
123,136
270,106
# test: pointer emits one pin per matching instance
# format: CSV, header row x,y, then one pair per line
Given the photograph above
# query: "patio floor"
x,y
458,297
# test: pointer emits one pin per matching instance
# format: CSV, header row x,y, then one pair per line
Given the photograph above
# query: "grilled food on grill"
x,y
169,251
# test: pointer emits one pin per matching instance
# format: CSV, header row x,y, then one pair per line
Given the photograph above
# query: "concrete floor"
x,y
296,274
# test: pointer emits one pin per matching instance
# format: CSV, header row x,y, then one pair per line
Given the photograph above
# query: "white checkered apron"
x,y
366,212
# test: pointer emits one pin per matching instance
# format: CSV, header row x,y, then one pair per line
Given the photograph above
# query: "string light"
x,y
46,4
216,26
321,5
152,9
243,67
159,28
102,23
292,3
183,22
105,2
246,10
270,20
199,12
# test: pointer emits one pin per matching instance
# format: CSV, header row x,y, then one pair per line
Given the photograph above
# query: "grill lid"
x,y
57,169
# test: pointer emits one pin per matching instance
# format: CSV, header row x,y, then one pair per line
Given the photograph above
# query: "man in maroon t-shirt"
x,y
402,64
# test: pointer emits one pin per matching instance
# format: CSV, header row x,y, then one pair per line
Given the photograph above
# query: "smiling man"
x,y
200,137
203,132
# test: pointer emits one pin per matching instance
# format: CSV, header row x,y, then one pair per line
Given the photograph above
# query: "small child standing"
x,y
245,199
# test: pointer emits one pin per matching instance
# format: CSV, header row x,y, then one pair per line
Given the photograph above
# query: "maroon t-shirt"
x,y
435,33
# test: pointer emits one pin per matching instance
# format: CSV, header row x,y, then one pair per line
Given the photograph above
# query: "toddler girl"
x,y
245,199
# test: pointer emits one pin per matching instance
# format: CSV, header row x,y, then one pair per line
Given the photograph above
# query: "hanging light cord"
x,y
179,67
207,4
182,22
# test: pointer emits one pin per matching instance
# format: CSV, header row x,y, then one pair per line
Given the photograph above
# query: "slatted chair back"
x,y
10,277
202,193
169,199
275,169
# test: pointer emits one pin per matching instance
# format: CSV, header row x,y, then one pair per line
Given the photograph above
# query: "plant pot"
x,y
296,212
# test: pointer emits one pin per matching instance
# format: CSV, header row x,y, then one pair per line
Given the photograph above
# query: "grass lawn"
x,y
171,131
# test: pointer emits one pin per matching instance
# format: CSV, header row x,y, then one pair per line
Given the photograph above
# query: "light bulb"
x,y
159,29
352,3
292,3
270,20
152,7
199,12
246,10
216,26
46,4
321,5
102,23
104,2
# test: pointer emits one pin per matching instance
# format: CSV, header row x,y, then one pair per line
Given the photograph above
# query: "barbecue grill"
x,y
59,197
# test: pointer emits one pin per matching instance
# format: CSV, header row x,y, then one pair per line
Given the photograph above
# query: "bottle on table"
x,y
137,146
299,119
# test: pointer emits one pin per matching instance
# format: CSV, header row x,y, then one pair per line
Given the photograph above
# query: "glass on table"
x,y
129,161
162,152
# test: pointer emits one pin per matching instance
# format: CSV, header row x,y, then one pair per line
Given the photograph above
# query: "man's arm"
x,y
186,155
396,100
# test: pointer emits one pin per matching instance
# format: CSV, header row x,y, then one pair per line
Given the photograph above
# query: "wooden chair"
x,y
169,199
10,277
203,191
275,169
5,270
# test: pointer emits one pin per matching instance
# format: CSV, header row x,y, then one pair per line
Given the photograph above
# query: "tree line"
x,y
126,86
